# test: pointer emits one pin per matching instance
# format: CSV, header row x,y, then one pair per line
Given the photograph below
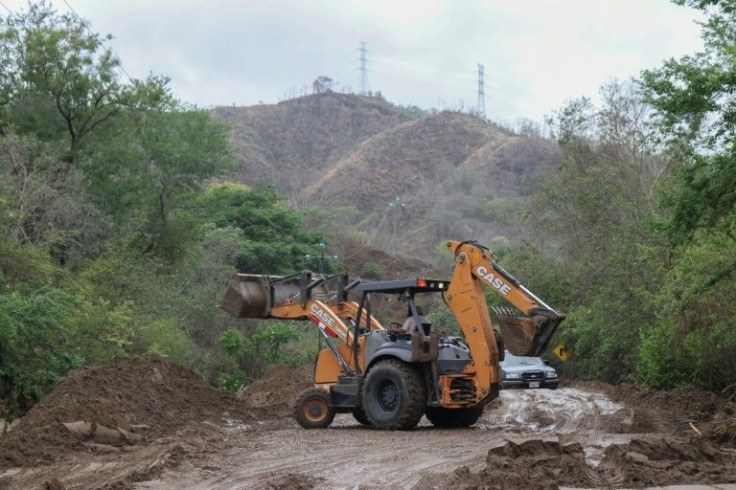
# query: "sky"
x,y
536,53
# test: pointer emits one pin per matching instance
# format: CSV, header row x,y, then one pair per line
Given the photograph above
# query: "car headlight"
x,y
550,374
513,375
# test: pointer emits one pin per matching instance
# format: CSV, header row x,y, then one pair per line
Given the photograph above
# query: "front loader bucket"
x,y
254,295
527,336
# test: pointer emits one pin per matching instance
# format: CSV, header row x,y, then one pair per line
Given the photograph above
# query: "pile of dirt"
x,y
686,407
667,462
543,464
148,395
273,395
547,464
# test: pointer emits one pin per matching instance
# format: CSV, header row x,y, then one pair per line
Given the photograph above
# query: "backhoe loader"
x,y
388,378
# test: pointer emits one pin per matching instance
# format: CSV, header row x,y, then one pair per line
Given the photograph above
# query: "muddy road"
x,y
579,436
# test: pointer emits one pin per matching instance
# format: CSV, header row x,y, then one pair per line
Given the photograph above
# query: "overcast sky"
x,y
537,53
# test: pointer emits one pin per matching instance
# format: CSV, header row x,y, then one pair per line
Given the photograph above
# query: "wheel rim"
x,y
314,409
388,396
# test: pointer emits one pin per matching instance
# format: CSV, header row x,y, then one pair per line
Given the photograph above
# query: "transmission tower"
x,y
363,69
481,92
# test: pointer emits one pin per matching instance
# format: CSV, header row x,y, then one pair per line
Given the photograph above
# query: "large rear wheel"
x,y
312,409
394,395
360,416
447,418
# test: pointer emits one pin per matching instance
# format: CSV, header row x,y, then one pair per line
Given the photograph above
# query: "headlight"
x,y
513,375
550,374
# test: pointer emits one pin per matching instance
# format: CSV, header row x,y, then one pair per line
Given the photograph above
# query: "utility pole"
x,y
481,92
322,257
363,69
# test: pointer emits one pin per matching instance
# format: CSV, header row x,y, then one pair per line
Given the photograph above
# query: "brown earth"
x,y
582,435
272,395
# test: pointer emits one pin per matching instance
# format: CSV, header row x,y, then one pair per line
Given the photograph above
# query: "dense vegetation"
x,y
116,241
111,243
635,235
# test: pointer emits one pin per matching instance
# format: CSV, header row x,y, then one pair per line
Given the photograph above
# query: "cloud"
x,y
536,53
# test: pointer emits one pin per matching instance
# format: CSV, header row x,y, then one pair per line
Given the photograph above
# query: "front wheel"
x,y
447,418
360,416
312,409
394,395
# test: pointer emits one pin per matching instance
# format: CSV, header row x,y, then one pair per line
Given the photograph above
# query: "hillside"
x,y
390,178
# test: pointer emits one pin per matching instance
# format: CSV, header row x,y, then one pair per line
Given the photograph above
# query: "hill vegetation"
x,y
123,211
397,180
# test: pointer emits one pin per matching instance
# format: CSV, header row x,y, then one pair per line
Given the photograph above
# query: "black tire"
x,y
360,416
394,395
312,409
448,418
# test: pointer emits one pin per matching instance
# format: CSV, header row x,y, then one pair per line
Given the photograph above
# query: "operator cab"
x,y
406,289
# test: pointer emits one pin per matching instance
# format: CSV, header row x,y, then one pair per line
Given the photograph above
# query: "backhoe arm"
x,y
523,335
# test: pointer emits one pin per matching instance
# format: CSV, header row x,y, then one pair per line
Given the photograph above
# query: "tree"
x,y
271,239
694,98
694,102
321,85
590,249
57,76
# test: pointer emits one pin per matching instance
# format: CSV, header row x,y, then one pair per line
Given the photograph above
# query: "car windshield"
x,y
512,360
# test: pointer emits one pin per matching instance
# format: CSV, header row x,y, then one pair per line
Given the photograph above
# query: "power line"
x,y
6,8
84,24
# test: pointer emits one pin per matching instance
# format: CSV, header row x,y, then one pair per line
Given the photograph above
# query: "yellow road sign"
x,y
562,351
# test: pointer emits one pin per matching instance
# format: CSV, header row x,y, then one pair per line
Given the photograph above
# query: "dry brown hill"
x,y
397,180
287,143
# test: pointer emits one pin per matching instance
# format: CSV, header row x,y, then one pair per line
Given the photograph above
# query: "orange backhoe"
x,y
388,379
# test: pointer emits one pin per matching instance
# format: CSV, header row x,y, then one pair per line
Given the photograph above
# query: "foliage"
x,y
58,79
590,250
692,97
250,355
36,346
371,270
110,244
270,236
693,341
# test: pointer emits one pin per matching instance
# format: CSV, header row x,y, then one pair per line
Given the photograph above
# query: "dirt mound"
x,y
667,462
529,464
685,406
274,393
547,464
149,395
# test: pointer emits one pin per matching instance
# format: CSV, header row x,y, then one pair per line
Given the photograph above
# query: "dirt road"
x,y
585,436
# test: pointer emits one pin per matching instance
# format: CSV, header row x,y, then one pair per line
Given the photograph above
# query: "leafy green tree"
x,y
45,202
271,238
693,99
693,340
590,250
57,76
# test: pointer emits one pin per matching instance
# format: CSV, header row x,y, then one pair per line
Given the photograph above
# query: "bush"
x,y
371,270
35,346
248,357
